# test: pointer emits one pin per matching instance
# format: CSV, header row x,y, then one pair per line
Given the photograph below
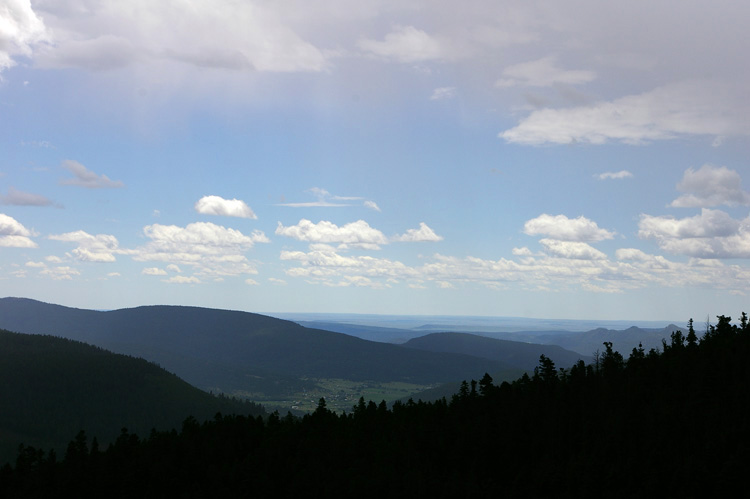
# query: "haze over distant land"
x,y
575,159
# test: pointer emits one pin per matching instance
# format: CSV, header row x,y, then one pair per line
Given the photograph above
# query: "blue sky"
x,y
569,159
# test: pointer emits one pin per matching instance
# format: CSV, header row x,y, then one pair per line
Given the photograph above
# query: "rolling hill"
x,y
50,388
232,351
514,353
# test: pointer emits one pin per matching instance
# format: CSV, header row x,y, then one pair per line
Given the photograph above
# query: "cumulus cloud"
x,y
20,198
216,205
404,44
209,249
667,112
710,223
91,248
13,234
423,233
354,234
20,29
60,273
153,271
173,268
571,249
83,177
543,72
711,186
712,234
567,265
563,228
443,93
614,175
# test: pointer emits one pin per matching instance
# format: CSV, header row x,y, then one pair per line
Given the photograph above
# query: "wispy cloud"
x,y
325,199
83,177
443,93
20,198
614,175
404,44
543,72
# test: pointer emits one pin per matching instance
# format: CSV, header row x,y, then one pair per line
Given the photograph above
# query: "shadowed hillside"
x,y
239,351
515,353
50,388
670,423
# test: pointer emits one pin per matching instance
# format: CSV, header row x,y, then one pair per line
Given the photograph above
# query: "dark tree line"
x,y
668,423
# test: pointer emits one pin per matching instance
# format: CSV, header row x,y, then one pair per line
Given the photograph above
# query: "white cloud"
x,y
53,259
667,112
543,72
173,268
443,93
209,249
39,265
114,274
563,228
423,233
20,198
181,279
83,177
614,175
215,205
354,234
98,248
404,44
279,282
153,271
371,205
710,223
60,273
20,29
711,186
327,200
13,234
252,282
565,265
571,249
712,234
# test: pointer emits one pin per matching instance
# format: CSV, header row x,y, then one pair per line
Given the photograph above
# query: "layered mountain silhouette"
x,y
231,351
514,353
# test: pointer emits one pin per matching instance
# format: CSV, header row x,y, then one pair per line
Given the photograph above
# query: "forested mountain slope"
x,y
515,353
671,423
51,388
230,350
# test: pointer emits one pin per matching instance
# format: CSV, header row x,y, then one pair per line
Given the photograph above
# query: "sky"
x,y
552,159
